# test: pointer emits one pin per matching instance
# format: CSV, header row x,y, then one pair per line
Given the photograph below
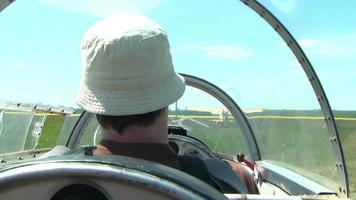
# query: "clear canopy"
x,y
224,42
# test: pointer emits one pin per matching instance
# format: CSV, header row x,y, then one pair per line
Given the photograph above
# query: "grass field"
x,y
301,141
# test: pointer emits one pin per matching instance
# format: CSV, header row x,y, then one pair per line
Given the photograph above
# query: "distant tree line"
x,y
189,112
343,113
337,113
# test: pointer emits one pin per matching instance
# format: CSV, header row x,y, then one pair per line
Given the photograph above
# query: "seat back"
x,y
117,177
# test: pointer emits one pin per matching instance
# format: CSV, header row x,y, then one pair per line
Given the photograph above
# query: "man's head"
x,y
127,69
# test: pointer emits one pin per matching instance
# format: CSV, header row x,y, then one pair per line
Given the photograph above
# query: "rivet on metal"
x,y
333,139
277,27
338,164
311,78
263,13
301,60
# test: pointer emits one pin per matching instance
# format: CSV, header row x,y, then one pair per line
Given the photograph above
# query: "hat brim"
x,y
118,103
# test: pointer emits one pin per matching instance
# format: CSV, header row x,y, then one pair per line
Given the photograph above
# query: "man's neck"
x,y
155,133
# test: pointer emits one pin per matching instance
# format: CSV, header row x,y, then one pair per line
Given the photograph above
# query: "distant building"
x,y
218,111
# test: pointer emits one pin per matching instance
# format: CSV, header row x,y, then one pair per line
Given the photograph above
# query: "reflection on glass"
x,y
67,127
92,133
208,120
35,131
298,140
14,129
23,128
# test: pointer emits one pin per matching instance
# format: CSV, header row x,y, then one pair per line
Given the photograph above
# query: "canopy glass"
x,y
224,42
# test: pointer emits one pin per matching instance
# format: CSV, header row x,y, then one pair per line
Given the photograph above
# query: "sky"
x,y
223,42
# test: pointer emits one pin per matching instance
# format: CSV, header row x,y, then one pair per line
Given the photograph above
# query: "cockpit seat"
x,y
116,177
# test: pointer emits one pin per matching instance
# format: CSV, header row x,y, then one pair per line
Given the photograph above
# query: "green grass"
x,y
51,131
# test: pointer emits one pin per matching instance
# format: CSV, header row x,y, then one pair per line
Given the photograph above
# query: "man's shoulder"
x,y
214,171
246,174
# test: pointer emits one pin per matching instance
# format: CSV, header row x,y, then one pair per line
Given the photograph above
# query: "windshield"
x,y
224,42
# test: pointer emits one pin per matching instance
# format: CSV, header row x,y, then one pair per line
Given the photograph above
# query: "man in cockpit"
x,y
128,82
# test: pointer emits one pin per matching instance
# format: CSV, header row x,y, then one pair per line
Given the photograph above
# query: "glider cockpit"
x,y
252,98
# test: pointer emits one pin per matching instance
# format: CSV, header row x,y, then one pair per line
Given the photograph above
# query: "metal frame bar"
x,y
231,105
78,129
315,83
5,3
27,107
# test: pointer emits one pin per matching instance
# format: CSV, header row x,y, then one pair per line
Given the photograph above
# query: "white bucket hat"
x,y
127,68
